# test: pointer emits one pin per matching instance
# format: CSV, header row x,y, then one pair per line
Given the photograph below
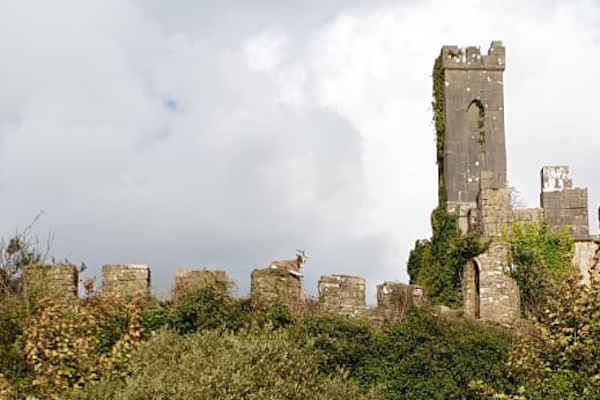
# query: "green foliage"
x,y
541,259
559,358
438,106
437,264
343,343
427,358
257,365
205,309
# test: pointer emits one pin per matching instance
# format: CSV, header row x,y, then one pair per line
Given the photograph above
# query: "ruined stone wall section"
x,y
527,216
494,211
586,258
499,294
126,279
271,286
473,79
564,206
395,299
343,295
60,278
188,280
470,289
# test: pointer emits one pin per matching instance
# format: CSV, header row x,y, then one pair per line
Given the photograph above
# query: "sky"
x,y
224,135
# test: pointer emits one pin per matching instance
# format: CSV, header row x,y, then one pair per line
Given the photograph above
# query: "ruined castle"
x,y
472,181
472,184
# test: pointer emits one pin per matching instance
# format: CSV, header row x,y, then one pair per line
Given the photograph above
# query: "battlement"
x,y
563,204
454,57
555,178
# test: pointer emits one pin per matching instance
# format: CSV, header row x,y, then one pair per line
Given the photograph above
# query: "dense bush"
x,y
560,357
258,364
421,357
541,260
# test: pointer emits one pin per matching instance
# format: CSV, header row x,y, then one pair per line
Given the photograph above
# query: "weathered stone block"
x,y
586,258
187,280
126,279
271,286
61,278
394,299
499,299
342,294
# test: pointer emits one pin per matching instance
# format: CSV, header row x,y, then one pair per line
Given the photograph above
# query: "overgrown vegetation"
x,y
437,264
541,260
438,106
206,345
560,357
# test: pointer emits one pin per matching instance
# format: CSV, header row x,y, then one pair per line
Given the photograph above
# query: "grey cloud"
x,y
144,132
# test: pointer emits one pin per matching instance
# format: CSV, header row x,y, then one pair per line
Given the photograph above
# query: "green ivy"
x,y
437,263
438,106
541,259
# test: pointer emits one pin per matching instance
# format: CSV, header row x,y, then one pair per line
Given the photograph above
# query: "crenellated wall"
x,y
126,279
61,278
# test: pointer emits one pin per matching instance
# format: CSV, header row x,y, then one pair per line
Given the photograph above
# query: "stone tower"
x,y
474,123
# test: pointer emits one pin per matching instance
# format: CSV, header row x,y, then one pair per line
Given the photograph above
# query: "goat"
x,y
291,266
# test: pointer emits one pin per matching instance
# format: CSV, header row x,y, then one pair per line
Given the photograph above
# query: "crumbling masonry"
x,y
473,182
471,157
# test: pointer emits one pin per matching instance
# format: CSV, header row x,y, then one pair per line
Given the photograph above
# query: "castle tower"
x,y
473,117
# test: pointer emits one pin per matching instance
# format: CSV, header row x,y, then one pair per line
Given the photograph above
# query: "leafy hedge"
x,y
102,347
541,260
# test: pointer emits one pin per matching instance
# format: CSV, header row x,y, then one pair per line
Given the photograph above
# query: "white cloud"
x,y
183,135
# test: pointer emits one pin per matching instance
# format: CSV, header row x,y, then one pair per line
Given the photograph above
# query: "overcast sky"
x,y
229,133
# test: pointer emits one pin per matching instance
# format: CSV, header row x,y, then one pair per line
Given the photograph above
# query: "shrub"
x,y
559,358
541,259
427,358
257,364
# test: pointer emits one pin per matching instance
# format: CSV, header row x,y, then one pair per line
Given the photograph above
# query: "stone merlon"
x,y
454,57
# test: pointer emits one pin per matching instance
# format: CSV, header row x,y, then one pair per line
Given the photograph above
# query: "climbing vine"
x,y
541,260
438,106
437,263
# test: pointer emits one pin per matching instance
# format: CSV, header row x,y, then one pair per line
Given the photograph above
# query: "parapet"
x,y
187,280
564,205
555,178
61,278
394,299
126,279
271,286
454,57
342,294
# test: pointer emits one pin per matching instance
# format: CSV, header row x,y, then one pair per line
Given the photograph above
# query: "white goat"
x,y
291,266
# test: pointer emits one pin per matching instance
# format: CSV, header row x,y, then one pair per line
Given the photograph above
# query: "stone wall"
x,y
564,205
270,286
473,86
60,278
394,299
470,289
342,294
586,257
499,294
126,279
527,216
187,280
495,214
